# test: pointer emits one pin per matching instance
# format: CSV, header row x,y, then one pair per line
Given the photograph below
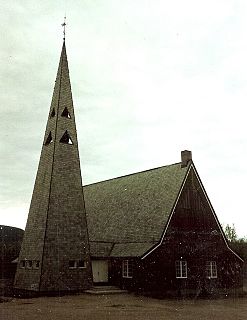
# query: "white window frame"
x,y
127,269
181,269
211,270
83,266
74,264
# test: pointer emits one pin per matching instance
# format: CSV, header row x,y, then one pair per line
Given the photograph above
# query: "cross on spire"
x,y
64,25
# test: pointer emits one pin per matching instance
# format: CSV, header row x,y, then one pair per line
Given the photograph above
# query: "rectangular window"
x,y
72,264
211,269
36,264
181,269
22,264
29,264
127,269
81,264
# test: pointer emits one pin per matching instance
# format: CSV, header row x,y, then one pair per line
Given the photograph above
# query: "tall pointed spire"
x,y
55,250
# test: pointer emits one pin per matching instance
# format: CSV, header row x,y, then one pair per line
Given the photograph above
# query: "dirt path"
x,y
120,307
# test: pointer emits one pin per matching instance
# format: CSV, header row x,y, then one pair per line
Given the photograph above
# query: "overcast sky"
x,y
149,79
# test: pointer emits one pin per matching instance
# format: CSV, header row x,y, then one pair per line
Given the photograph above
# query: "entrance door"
x,y
100,270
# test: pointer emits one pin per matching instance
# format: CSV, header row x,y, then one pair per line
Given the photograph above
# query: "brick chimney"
x,y
186,156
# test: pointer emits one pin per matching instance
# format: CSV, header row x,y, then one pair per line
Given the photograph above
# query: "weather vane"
x,y
64,25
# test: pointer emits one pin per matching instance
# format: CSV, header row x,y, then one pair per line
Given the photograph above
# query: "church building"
x,y
152,231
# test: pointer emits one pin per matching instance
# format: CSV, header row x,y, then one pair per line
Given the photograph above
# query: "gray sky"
x,y
149,79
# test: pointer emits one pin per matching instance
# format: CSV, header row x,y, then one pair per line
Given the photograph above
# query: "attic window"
x,y
66,138
53,113
66,113
49,139
22,264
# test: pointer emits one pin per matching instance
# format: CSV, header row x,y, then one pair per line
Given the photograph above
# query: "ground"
x,y
121,307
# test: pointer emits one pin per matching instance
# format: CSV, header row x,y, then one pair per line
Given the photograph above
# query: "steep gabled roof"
x,y
126,216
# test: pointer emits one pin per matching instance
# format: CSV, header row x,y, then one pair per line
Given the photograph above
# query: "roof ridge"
x,y
131,174
121,242
3,226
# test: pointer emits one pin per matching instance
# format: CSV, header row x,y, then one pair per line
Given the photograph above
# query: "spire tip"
x,y
64,25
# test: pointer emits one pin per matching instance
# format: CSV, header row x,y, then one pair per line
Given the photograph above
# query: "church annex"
x,y
156,231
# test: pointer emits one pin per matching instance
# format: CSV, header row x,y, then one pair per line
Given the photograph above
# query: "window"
x,y
127,269
181,269
29,264
211,269
36,264
66,113
72,264
81,264
66,138
53,113
22,264
49,139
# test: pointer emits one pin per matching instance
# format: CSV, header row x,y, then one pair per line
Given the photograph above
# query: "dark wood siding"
x,y
115,273
159,268
193,235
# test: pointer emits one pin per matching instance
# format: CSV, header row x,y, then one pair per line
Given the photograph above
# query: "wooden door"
x,y
100,271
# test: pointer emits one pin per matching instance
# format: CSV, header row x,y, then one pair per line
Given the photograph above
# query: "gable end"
x,y
170,216
187,208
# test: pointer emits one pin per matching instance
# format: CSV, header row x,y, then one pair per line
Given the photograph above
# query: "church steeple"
x,y
55,250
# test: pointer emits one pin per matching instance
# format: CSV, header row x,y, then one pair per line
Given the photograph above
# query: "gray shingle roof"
x,y
135,249
100,249
109,249
127,215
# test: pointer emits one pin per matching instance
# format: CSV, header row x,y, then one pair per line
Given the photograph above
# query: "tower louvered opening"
x,y
53,113
66,138
49,139
66,113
